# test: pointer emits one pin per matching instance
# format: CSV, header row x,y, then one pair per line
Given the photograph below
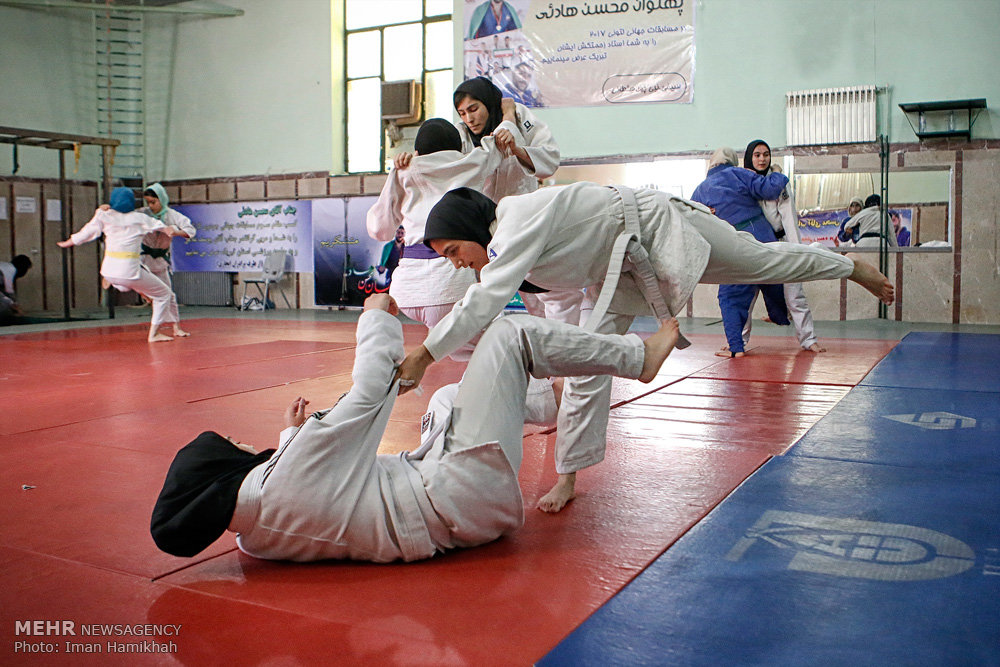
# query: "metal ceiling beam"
x,y
203,8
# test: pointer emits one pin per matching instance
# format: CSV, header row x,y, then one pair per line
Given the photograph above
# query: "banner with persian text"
x,y
563,54
238,236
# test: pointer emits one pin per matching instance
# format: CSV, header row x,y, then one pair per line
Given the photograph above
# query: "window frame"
x,y
424,21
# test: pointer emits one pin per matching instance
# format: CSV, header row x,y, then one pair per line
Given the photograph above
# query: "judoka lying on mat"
x,y
584,235
326,493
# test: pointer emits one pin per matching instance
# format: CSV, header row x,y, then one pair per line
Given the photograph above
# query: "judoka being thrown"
x,y
326,493
571,236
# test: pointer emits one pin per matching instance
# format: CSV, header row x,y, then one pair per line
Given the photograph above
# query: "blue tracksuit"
x,y
735,194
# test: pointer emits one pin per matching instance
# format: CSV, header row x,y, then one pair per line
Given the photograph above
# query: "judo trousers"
x,y
735,258
489,406
798,311
735,301
163,298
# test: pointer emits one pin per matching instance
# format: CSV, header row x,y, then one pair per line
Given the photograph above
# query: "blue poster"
x,y
349,265
237,236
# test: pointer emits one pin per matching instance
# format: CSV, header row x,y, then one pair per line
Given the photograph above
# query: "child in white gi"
x,y
124,228
327,493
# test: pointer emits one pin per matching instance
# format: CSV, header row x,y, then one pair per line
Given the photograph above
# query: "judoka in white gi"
x,y
424,284
155,252
869,225
124,228
479,103
784,220
563,237
326,492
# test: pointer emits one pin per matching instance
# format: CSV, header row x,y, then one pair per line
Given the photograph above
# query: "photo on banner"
x,y
349,265
823,226
544,54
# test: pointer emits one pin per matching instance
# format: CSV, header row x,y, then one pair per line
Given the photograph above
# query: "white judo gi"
x,y
782,215
513,178
160,266
562,237
869,224
426,289
122,267
326,493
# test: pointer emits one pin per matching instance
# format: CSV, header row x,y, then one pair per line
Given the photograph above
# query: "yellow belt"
x,y
121,255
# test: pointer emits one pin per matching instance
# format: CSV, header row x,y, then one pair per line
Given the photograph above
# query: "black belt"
x,y
870,235
156,253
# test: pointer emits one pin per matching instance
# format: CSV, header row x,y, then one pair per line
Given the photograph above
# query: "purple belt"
x,y
419,251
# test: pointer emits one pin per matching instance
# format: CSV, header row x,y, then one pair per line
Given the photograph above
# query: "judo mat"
x,y
875,541
94,417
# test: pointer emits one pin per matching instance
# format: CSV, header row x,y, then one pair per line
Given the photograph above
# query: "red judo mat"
x,y
94,416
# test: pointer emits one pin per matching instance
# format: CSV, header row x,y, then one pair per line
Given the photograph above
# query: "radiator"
x,y
830,116
203,288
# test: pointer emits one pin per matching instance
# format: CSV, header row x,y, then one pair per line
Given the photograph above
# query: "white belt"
x,y
628,256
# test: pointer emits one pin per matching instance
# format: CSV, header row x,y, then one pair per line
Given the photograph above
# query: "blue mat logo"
x,y
935,421
859,549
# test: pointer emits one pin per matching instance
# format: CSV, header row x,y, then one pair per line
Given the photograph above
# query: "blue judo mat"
x,y
876,541
926,428
926,360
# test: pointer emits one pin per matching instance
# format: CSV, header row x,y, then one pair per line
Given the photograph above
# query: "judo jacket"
x,y
408,196
735,192
123,238
513,178
562,237
326,492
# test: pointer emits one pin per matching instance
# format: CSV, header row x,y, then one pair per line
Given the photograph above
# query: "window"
x,y
392,40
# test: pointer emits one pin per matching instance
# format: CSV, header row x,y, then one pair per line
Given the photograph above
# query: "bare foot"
x,y
159,338
724,352
871,279
558,495
658,348
815,348
180,332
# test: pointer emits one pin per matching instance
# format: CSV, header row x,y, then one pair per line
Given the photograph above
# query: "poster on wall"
x,y
238,236
822,226
349,265
582,53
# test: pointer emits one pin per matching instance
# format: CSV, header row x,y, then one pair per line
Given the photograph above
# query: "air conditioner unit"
x,y
401,102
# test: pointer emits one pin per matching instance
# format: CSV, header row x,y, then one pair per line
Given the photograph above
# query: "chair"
x,y
272,272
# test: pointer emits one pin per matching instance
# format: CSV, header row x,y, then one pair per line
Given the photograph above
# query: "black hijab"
x,y
199,494
873,200
464,214
748,155
483,90
437,134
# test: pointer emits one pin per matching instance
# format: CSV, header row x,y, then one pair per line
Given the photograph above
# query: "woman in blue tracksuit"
x,y
734,194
